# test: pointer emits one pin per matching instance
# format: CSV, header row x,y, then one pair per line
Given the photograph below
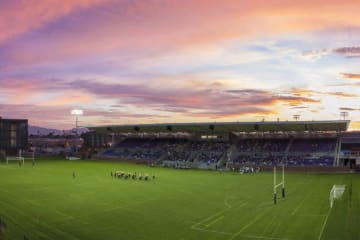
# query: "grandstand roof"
x,y
225,127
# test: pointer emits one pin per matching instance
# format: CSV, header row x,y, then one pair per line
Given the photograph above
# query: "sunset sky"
x,y
156,61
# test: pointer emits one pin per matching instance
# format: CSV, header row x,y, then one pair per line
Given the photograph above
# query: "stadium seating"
x,y
313,145
183,153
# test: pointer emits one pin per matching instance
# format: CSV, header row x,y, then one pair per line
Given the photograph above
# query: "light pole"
x,y
77,113
344,115
296,117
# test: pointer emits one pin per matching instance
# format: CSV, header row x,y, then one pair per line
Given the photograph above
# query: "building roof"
x,y
226,127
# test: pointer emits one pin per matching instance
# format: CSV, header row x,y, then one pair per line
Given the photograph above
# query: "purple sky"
x,y
152,61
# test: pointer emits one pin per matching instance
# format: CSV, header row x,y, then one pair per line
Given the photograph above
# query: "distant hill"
x,y
41,131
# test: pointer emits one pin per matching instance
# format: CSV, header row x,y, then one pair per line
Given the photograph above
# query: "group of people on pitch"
x,y
126,175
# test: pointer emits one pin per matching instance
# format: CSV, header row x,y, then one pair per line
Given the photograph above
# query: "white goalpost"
x,y
336,193
281,184
28,155
21,157
18,158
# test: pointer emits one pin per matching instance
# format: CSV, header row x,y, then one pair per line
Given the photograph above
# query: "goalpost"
x,y
18,159
27,155
21,157
281,184
336,193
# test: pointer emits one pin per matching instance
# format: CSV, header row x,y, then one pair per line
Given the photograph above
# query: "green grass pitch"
x,y
46,202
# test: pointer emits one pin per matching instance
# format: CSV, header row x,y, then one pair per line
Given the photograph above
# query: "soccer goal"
x,y
27,155
336,193
12,158
281,184
21,157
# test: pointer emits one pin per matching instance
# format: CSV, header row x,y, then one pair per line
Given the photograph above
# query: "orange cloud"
x,y
302,92
350,76
342,94
309,93
68,99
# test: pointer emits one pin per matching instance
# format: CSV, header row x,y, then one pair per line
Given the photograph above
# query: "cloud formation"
x,y
350,76
348,51
180,59
348,109
35,14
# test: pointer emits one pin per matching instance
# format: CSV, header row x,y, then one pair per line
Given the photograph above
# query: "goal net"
x,y
336,193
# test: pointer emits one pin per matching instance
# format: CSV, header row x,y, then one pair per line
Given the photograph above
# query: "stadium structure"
x,y
229,145
109,197
13,135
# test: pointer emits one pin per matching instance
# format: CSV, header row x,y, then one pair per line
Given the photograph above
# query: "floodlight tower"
x,y
296,117
344,115
77,113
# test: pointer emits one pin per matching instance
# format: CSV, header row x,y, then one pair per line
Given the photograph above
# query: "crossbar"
x,y
12,158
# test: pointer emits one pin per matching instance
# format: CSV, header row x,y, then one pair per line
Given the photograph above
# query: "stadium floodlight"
x,y
77,113
296,117
344,115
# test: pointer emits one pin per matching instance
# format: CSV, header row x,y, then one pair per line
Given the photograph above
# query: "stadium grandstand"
x,y
230,145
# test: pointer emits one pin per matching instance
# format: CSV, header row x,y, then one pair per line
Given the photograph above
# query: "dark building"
x,y
96,140
13,134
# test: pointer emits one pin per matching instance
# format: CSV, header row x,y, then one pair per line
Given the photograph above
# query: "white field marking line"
x,y
212,231
265,204
36,230
216,220
64,214
215,215
226,203
301,203
68,218
36,220
323,226
128,207
246,236
5,191
54,229
311,215
268,225
33,202
2,166
262,237
247,225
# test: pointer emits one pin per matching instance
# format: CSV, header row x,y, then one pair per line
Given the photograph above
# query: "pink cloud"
x,y
151,27
348,51
19,17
